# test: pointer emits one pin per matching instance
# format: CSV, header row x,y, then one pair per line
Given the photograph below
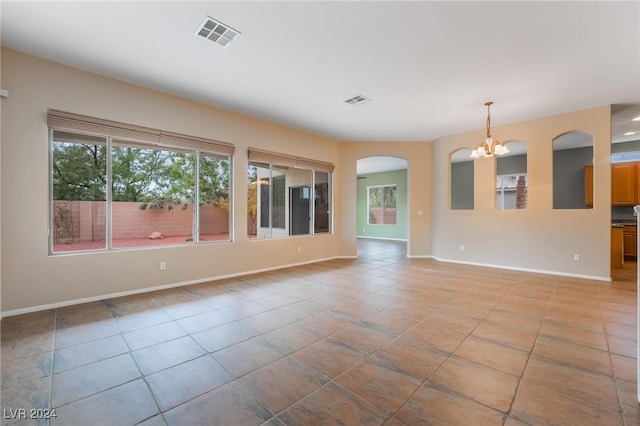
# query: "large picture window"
x,y
113,193
287,195
382,204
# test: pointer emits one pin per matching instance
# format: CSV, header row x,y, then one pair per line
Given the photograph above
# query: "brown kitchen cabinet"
x,y
617,246
630,238
588,186
624,184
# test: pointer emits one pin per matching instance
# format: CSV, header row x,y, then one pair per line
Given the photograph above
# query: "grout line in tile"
x,y
423,381
526,364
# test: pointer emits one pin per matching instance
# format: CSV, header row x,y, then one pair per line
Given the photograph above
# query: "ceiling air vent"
x,y
217,32
358,100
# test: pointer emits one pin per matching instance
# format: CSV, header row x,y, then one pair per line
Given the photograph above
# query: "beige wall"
x,y
538,238
31,278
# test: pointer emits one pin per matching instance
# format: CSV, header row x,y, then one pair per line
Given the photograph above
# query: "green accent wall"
x,y
397,231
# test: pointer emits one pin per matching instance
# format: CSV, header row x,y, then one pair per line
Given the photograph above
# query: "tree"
x,y
79,171
139,174
154,177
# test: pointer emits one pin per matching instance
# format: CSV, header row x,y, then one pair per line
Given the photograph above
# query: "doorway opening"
x,y
382,201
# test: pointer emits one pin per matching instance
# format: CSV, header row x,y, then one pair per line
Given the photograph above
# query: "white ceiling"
x,y
427,66
379,164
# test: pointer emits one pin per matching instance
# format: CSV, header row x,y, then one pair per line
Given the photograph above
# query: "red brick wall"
x,y
88,220
389,215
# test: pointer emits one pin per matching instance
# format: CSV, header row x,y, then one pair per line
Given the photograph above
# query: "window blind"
x,y
70,122
261,156
176,140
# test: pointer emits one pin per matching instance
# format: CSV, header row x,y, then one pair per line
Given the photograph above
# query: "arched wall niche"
x,y
511,177
572,157
461,170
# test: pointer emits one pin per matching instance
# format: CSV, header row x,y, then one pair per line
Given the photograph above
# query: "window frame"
x,y
382,207
124,135
268,160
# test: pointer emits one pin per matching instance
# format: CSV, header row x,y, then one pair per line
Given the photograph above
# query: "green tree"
x,y
390,196
79,171
214,179
138,174
154,177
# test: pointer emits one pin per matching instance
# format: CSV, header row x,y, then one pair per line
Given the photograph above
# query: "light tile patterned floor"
x,y
378,340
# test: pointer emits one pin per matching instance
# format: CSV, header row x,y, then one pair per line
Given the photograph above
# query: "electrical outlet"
x,y
299,249
461,247
163,266
576,258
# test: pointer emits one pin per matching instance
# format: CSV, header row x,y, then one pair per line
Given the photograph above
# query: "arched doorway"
x,y
382,214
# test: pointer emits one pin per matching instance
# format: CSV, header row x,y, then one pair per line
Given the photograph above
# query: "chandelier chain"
x,y
489,147
488,104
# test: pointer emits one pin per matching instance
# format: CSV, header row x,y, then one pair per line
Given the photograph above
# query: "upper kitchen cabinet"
x,y
624,184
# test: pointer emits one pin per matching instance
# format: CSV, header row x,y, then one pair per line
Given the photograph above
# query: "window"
x,y
287,195
278,206
382,204
322,203
511,177
214,185
79,181
266,201
511,192
111,192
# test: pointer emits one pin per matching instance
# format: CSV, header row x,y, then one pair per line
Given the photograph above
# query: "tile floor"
x,y
378,340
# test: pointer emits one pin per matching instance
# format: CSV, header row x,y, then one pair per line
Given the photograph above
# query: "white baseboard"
x,y
537,271
381,238
62,304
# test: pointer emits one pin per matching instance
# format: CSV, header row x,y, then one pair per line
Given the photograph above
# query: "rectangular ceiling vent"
x,y
217,32
358,100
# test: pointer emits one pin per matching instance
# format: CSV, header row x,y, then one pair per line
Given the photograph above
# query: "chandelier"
x,y
489,147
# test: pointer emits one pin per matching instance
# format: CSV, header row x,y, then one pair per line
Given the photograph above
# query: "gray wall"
x,y
512,165
462,185
568,177
625,147
462,178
